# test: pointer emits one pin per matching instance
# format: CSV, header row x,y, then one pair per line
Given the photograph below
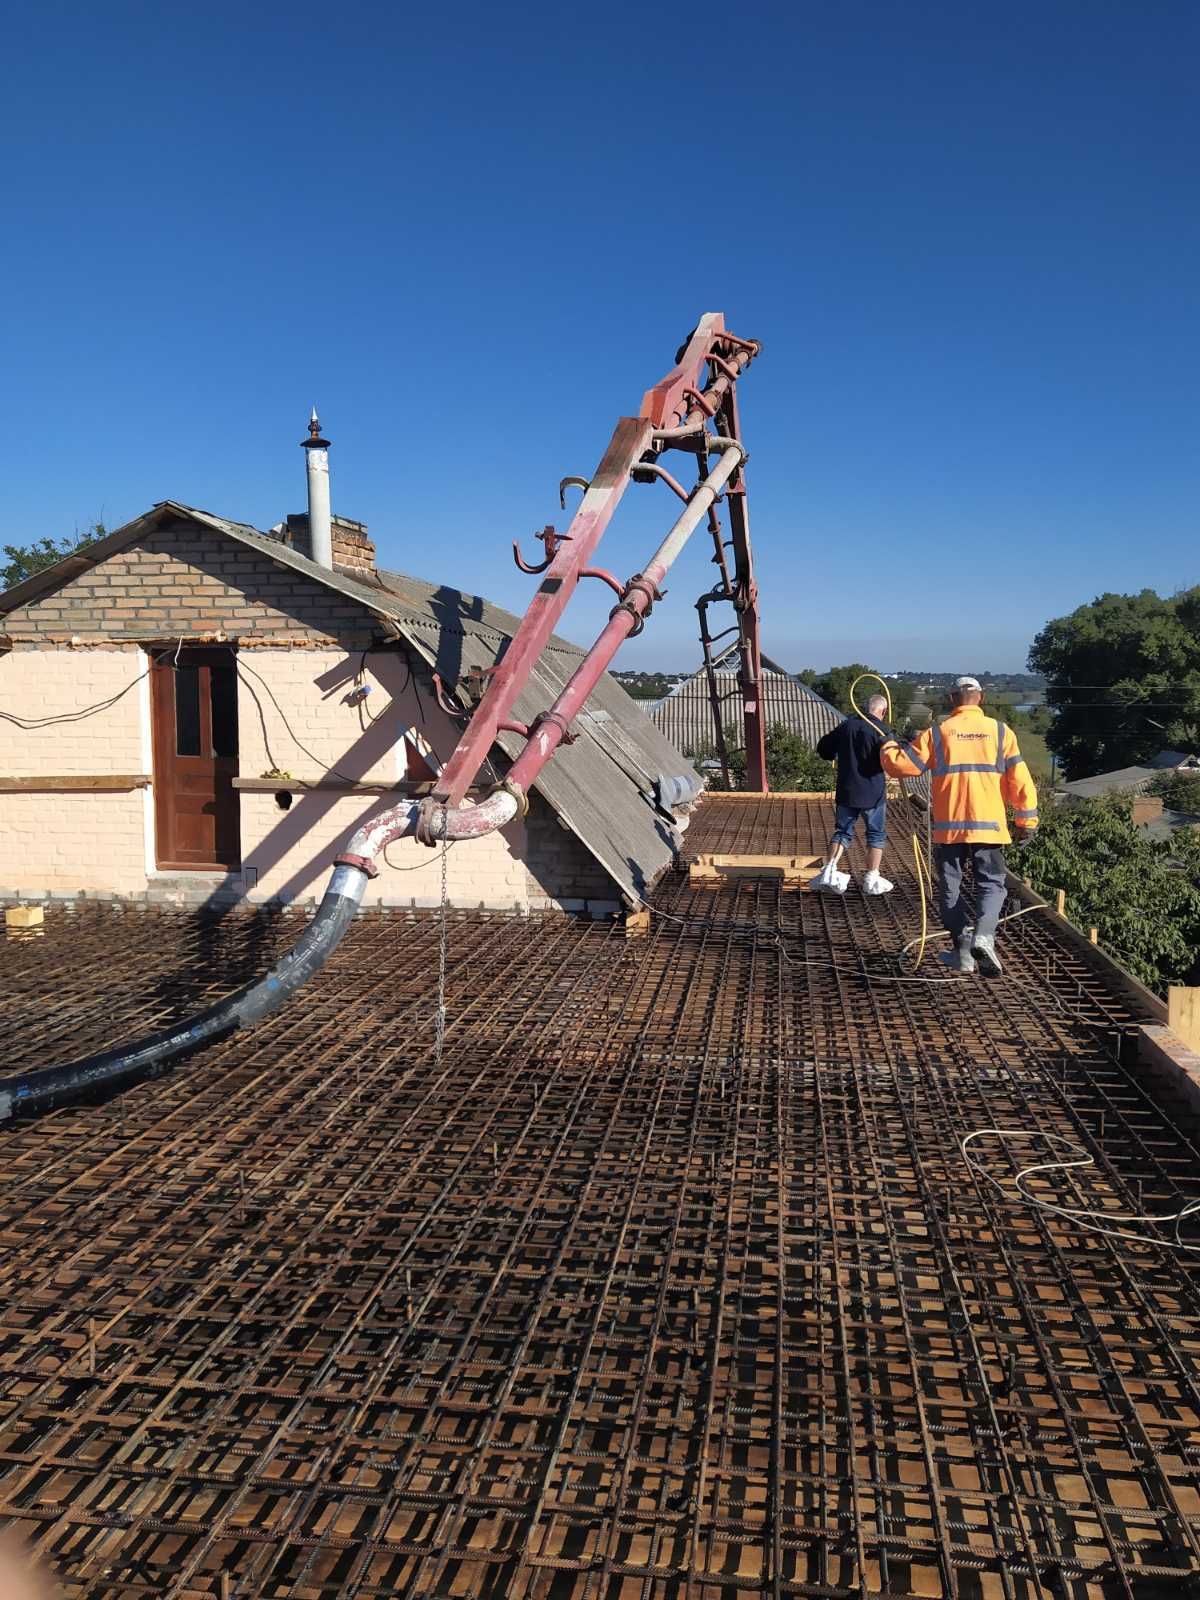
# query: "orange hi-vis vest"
x,y
975,770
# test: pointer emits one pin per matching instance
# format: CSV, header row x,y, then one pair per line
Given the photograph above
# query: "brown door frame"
x,y
196,807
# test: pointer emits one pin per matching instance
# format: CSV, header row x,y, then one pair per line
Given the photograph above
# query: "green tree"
x,y
1180,791
22,561
1145,903
791,764
1123,679
835,685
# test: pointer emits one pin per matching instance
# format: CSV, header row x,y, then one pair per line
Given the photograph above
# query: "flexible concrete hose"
x,y
32,1092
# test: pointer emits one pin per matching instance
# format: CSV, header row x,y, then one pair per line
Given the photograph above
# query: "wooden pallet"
x,y
711,871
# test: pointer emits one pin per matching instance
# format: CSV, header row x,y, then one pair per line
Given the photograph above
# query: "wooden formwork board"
x,y
709,871
773,794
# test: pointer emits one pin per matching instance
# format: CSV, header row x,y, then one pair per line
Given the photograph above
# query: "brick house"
x,y
195,709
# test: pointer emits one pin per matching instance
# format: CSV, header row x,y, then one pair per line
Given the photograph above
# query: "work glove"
x,y
1022,837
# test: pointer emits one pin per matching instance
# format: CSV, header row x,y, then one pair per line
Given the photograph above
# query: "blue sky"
x,y
967,237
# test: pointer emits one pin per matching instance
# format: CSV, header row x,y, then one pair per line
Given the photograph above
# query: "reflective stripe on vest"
x,y
967,825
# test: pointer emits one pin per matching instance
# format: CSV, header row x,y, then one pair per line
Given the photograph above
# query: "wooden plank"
x,y
90,781
711,870
637,924
774,794
292,785
755,863
1183,1014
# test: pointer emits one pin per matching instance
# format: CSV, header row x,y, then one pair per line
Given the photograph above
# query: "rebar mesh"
x,y
669,1281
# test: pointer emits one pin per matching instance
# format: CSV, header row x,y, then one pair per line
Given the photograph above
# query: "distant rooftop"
x,y
1130,780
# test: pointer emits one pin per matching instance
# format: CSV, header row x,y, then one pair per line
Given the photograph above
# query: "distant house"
x,y
1130,780
685,717
194,708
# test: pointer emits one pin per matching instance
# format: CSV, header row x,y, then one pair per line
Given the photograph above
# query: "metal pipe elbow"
x,y
400,822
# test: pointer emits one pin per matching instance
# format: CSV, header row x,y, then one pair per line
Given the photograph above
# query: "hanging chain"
x,y
440,1033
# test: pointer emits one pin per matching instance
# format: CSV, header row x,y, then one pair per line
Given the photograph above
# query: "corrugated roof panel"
x,y
685,717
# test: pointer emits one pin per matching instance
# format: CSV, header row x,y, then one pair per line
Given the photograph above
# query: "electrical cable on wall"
x,y
32,724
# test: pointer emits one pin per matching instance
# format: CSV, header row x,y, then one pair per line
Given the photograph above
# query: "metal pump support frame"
x,y
694,410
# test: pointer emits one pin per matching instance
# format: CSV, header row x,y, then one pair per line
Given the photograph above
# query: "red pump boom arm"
x,y
692,409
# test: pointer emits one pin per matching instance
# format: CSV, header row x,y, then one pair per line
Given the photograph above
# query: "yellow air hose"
x,y
921,865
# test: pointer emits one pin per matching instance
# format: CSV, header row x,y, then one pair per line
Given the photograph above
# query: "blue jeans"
x,y
991,887
875,818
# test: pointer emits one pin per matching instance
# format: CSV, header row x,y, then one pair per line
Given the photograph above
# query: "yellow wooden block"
x,y
637,924
1183,1015
24,917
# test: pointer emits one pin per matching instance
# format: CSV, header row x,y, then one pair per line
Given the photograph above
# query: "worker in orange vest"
x,y
976,770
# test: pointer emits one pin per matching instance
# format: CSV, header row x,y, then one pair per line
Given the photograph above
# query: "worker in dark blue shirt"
x,y
861,792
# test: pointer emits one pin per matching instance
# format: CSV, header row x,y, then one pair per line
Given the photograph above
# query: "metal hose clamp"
x,y
638,584
429,807
507,786
561,723
363,863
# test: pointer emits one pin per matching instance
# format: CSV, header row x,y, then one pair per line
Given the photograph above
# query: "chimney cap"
x,y
314,440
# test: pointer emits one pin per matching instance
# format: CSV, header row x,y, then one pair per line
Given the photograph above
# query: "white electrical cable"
x,y
1041,905
1091,1220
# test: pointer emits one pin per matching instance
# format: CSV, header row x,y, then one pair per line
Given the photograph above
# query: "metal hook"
x,y
570,483
550,539
448,706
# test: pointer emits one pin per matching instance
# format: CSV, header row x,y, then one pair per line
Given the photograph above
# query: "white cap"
x,y
968,683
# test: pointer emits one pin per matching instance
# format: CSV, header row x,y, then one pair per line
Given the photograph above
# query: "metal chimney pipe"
x,y
320,531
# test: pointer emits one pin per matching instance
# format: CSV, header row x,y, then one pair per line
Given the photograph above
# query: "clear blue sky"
x,y
967,236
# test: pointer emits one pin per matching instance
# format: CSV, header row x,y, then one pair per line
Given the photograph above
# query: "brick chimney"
x,y
353,552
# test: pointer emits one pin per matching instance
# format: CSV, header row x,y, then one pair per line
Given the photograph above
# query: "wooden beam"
x,y
1183,1015
335,786
774,794
92,782
710,871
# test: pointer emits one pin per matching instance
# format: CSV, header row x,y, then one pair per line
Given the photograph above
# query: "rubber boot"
x,y
983,948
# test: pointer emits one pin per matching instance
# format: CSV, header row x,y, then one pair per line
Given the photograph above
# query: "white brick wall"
x,y
47,683
72,842
291,852
311,687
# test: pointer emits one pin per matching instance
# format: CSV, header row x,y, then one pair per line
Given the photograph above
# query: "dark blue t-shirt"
x,y
855,746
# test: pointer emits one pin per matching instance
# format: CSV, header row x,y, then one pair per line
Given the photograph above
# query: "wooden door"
x,y
194,717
